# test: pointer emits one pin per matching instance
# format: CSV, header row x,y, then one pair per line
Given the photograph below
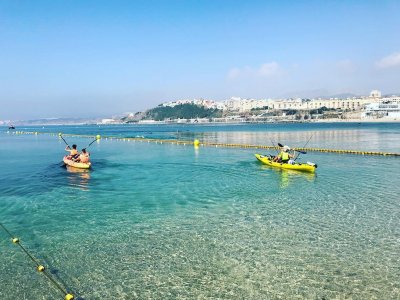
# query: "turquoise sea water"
x,y
164,221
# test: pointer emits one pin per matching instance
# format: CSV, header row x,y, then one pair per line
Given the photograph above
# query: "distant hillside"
x,y
56,121
183,111
317,93
339,96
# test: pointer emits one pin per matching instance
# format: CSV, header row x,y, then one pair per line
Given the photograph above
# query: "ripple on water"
x,y
165,222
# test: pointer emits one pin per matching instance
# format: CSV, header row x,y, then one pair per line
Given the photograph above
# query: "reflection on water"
x,y
361,139
78,178
196,151
352,136
287,177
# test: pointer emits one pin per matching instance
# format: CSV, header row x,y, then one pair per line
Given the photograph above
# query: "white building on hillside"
x,y
233,104
387,107
375,94
382,110
237,104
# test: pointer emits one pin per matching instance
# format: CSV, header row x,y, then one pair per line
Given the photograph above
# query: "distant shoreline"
x,y
358,120
380,120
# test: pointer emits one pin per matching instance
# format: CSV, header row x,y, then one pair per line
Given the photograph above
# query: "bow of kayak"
x,y
75,164
305,167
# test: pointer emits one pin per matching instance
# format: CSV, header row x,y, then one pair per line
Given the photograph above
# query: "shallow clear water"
x,y
165,221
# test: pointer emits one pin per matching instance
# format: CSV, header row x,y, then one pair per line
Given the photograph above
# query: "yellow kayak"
x,y
75,164
305,167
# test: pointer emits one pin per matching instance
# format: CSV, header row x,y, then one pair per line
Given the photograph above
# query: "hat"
x,y
286,148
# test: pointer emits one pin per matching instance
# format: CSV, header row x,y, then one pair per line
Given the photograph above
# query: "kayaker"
x,y
284,156
73,153
84,157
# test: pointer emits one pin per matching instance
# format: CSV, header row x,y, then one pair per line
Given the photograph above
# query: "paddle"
x,y
90,143
83,148
273,144
63,164
303,152
304,146
64,141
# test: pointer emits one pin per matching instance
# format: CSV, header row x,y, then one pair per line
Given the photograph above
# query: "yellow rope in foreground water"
x,y
40,268
243,146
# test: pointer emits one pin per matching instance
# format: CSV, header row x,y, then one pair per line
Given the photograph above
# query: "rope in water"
x,y
210,144
39,267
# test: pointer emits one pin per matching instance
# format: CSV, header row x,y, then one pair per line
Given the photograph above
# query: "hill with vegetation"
x,y
183,111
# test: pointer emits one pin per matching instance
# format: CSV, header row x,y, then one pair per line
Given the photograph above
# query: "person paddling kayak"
x,y
73,153
284,156
84,157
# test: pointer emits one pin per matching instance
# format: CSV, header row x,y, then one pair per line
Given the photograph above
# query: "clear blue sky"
x,y
89,58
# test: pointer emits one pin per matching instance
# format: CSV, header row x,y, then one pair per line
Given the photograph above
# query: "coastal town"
x,y
373,107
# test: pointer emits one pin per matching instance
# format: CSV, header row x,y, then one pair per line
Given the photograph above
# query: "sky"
x,y
102,58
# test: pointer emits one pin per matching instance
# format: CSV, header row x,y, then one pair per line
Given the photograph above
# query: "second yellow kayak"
x,y
305,167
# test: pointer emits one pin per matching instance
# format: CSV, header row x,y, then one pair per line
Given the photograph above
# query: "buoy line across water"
x,y
197,143
39,267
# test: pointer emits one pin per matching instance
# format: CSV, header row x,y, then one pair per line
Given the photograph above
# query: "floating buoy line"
x,y
39,267
197,143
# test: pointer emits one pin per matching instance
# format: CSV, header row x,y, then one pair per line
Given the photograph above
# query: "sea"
x,y
154,220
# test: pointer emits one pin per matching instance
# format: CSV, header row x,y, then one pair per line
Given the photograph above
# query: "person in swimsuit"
x,y
84,157
73,153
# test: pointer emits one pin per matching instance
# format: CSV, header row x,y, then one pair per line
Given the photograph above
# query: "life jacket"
x,y
284,156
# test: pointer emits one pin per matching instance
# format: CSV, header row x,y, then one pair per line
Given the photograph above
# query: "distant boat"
x,y
11,127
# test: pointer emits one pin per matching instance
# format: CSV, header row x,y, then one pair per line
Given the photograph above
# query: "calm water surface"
x,y
157,221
